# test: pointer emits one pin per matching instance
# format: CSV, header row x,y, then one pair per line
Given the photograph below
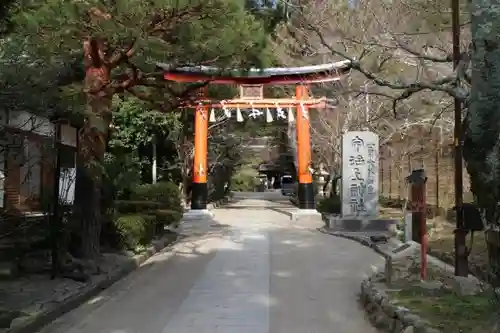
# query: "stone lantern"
x,y
321,175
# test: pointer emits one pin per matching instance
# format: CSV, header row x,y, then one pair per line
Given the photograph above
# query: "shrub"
x,y
121,174
167,216
130,206
330,205
135,230
150,231
164,217
165,193
110,235
243,183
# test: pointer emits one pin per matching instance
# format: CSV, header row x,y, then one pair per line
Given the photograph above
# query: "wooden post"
x,y
56,218
390,174
416,203
418,182
381,163
154,167
199,192
388,269
423,232
436,162
400,179
305,190
409,162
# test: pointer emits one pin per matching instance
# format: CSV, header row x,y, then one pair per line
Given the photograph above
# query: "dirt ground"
x,y
441,239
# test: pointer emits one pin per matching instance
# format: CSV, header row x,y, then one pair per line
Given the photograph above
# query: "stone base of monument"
x,y
304,215
368,226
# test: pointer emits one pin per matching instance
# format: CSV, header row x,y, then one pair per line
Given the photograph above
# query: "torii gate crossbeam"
x,y
255,79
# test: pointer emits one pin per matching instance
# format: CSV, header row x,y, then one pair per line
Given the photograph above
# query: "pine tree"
x,y
5,15
482,136
121,41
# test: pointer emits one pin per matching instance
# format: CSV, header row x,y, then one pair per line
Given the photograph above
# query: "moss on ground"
x,y
447,311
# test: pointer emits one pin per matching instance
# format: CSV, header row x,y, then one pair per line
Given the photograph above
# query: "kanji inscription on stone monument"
x,y
360,174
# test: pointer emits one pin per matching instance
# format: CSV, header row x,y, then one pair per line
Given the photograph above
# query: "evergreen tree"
x,y
120,42
5,15
482,130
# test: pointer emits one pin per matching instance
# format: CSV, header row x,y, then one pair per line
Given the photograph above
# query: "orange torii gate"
x,y
251,98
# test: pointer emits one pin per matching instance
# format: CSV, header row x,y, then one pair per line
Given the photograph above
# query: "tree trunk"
x,y
92,146
186,179
87,202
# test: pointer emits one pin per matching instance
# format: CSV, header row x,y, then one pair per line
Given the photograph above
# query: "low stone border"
x,y
387,316
33,323
362,239
219,203
298,215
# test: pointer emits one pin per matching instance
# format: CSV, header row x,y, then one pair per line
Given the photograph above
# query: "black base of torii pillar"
x,y
305,195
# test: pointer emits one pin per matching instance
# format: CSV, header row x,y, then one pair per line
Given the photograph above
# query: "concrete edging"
x,y
282,211
365,240
362,240
33,323
385,315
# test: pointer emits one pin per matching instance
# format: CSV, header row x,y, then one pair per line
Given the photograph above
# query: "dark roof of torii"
x,y
276,75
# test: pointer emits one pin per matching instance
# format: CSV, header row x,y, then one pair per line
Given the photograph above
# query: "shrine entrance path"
x,y
250,270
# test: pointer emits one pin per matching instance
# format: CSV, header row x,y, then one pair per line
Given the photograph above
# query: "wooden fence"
x,y
438,163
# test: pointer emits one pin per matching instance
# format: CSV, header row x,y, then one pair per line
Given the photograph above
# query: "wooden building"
x,y
27,162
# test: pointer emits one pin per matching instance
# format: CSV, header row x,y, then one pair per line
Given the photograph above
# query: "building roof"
x,y
277,75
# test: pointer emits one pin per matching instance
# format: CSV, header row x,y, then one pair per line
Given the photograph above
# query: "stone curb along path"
x,y
30,324
219,203
387,316
382,312
363,240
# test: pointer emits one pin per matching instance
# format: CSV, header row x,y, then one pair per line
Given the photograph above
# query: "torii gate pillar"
x,y
306,189
199,190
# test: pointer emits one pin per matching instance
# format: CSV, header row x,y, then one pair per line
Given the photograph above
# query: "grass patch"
x,y
449,312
